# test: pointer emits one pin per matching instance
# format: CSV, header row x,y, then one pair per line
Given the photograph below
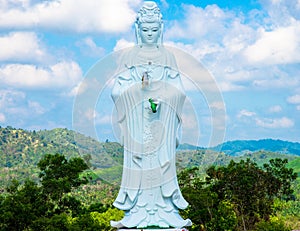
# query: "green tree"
x,y
57,222
271,226
205,209
23,204
277,168
59,176
250,189
236,196
48,206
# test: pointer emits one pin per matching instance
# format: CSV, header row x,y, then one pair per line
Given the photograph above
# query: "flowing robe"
x,y
149,193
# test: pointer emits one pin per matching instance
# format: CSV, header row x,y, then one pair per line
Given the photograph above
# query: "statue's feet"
x,y
142,225
163,224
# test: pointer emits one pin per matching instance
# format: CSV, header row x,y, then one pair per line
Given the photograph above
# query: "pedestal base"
x,y
174,229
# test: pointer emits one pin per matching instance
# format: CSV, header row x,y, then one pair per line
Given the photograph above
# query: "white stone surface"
x,y
175,229
149,192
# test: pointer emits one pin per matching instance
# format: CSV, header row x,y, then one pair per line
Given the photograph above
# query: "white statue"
x,y
149,98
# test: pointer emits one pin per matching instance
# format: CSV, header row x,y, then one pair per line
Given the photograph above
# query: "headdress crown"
x,y
149,13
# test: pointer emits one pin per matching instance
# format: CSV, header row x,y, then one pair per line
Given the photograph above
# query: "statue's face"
x,y
149,32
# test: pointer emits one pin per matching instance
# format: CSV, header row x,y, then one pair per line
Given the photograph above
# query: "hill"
x,y
241,147
28,146
295,165
21,150
205,158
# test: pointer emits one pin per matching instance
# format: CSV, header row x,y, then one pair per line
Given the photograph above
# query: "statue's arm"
x,y
122,83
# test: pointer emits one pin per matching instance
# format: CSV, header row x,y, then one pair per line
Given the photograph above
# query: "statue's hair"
x,y
149,13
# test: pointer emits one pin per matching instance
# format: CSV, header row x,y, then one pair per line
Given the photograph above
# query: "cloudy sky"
x,y
250,47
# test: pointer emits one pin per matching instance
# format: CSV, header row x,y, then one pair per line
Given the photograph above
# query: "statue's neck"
x,y
149,46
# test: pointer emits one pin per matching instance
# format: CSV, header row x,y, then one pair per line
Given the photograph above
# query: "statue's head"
x,y
149,25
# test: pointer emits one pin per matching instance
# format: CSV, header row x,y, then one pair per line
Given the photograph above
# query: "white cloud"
x,y
36,107
218,38
2,118
78,89
241,49
245,113
238,36
199,22
250,117
60,75
283,122
295,99
21,4
197,50
281,45
90,114
227,86
11,98
219,105
164,3
271,82
281,12
190,122
100,119
72,15
22,110
21,46
190,125
123,43
14,103
275,109
89,48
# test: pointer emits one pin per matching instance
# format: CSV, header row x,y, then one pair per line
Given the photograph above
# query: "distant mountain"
x,y
21,150
28,146
241,147
186,146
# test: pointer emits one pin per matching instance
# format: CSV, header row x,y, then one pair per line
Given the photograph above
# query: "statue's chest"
x,y
154,72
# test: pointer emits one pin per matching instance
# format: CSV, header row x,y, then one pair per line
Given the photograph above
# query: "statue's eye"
x,y
144,29
155,29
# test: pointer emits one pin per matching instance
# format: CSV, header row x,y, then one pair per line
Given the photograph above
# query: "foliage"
x,y
284,175
24,204
236,196
288,211
191,158
295,164
104,218
46,206
58,175
94,193
205,209
271,225
21,150
57,222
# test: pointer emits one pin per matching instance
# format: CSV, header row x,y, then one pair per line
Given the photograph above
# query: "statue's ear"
x,y
137,34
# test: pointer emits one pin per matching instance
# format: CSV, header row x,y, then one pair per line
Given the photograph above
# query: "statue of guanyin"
x,y
149,97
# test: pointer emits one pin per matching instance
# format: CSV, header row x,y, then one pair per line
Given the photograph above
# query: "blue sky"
x,y
250,47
